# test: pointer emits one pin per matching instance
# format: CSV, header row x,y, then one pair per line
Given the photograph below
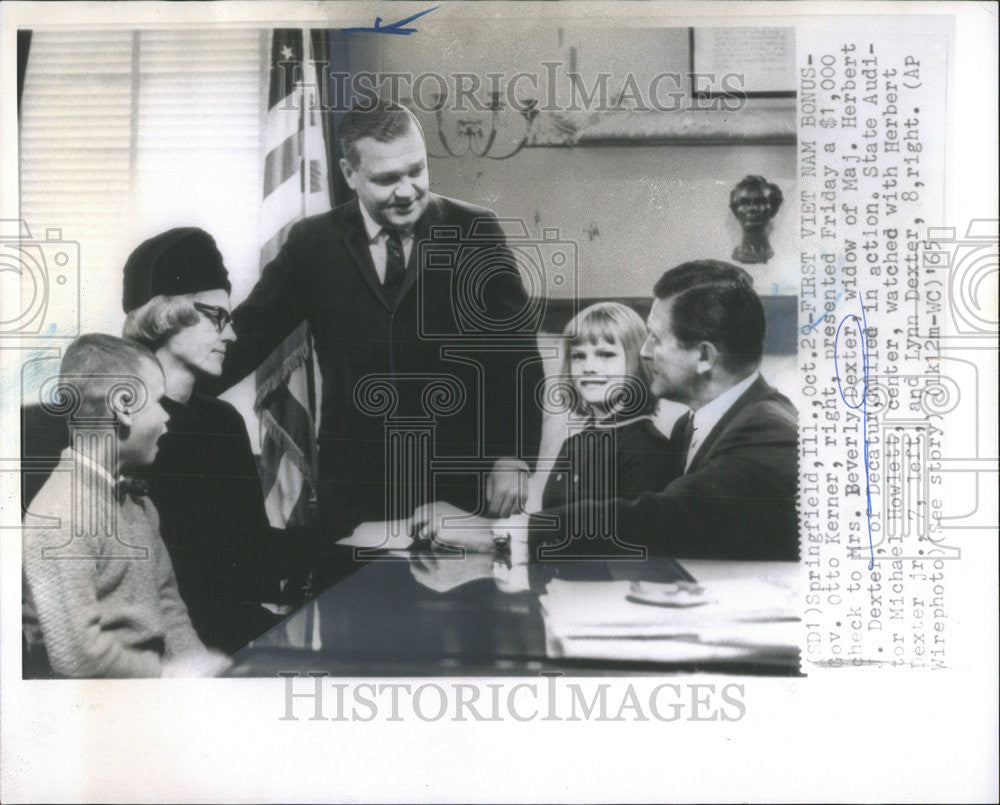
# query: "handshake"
x,y
450,526
447,525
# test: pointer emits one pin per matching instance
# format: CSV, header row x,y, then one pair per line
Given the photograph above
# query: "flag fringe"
x,y
276,370
274,431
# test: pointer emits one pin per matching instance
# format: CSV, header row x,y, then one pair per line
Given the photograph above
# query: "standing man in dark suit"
x,y
417,311
734,496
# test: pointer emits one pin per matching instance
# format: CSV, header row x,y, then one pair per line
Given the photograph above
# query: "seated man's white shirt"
x,y
708,416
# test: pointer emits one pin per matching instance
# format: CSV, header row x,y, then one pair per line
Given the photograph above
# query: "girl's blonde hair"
x,y
612,322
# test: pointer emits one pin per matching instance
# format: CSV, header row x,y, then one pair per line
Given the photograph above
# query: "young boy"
x,y
100,596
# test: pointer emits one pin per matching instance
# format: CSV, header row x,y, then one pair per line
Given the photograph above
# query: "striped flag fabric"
x,y
295,186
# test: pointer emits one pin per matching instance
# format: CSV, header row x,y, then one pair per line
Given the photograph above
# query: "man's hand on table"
x,y
443,569
449,525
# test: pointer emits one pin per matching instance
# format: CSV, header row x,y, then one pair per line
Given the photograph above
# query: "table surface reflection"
x,y
427,614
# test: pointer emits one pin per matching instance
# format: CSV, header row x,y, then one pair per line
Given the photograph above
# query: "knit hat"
x,y
179,261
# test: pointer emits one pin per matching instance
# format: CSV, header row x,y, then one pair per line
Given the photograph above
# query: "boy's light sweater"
x,y
102,614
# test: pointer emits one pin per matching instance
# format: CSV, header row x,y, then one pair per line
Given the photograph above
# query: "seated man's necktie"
x,y
683,436
684,432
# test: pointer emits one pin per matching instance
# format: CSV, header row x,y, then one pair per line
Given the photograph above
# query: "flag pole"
x,y
309,62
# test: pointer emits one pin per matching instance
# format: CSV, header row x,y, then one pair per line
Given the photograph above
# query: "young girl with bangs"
x,y
613,449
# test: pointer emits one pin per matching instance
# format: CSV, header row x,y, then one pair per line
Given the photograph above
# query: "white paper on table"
x,y
624,649
381,535
666,650
747,609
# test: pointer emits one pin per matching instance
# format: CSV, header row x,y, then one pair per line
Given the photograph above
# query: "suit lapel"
x,y
758,389
421,233
356,241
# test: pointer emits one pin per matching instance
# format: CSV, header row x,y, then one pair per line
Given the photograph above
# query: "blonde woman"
x,y
204,483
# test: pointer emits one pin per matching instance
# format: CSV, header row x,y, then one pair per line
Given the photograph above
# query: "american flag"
x,y
295,186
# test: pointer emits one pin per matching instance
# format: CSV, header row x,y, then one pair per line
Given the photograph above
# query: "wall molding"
x,y
708,127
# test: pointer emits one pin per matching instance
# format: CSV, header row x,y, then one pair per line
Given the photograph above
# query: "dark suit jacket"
x,y
462,293
736,501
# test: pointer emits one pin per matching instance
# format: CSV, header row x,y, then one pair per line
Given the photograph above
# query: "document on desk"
x,y
601,620
388,535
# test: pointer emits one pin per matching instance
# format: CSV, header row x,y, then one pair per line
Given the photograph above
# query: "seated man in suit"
x,y
734,496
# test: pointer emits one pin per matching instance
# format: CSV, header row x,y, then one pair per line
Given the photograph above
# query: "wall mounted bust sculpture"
x,y
754,202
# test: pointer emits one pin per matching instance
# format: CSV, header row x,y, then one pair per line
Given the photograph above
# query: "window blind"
x,y
126,133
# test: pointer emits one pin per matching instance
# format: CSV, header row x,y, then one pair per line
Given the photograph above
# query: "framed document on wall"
x,y
750,62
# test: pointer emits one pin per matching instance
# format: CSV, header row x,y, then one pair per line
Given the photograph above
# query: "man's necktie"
x,y
683,434
395,265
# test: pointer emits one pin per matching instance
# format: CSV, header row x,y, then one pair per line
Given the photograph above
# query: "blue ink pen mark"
x,y
810,327
862,404
393,28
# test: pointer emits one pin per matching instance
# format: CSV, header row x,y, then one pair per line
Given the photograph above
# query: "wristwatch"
x,y
501,538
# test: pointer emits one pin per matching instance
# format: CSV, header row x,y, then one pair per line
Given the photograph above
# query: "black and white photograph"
x,y
494,369
439,286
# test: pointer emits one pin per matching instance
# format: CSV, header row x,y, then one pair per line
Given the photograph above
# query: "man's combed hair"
x,y
159,319
95,365
699,272
382,120
726,313
715,301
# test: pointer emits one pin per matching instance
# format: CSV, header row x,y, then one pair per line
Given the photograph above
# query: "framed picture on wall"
x,y
748,62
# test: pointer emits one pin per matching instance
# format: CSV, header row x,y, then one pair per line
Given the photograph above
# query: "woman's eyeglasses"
x,y
219,316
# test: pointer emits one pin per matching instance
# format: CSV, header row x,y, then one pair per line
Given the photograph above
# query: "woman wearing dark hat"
x,y
204,482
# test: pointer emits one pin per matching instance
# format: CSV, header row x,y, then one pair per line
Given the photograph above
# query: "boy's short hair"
x,y
98,369
612,321
159,319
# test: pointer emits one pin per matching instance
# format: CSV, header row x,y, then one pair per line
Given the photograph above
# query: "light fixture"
x,y
483,134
